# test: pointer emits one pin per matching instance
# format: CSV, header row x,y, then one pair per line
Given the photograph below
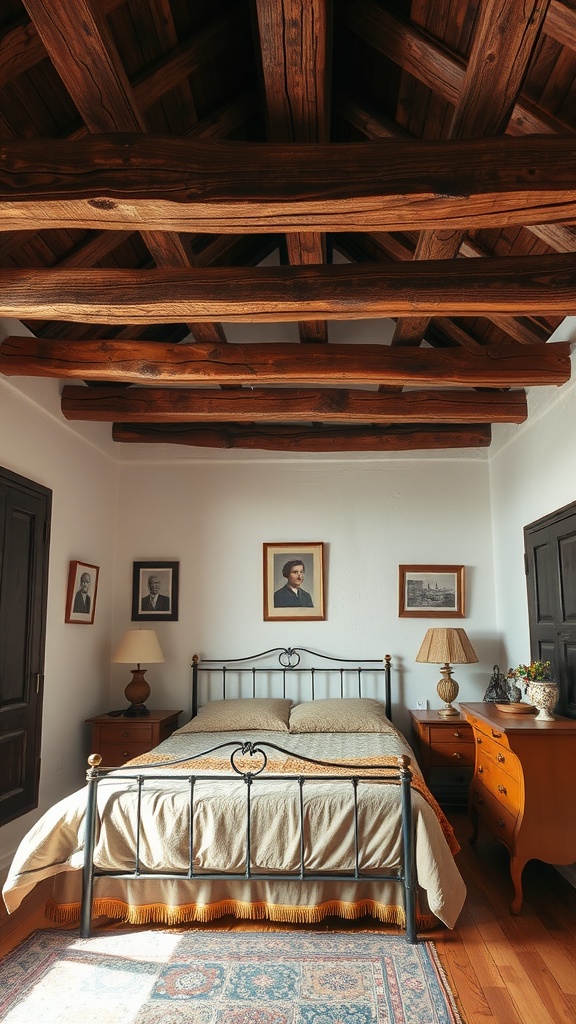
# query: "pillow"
x,y
348,714
267,714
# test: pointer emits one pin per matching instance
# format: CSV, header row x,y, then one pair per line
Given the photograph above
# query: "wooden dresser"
x,y
523,786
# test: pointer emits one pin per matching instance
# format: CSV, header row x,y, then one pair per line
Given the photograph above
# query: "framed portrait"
x,y
155,591
294,581
432,591
81,593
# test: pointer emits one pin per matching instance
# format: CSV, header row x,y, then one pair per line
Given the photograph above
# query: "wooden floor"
x,y
502,969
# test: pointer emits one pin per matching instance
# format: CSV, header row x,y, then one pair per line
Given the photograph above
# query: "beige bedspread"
x,y
55,844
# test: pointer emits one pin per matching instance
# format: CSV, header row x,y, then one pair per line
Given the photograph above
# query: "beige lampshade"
x,y
446,647
138,646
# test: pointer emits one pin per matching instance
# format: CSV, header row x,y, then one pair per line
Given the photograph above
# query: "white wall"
x,y
532,473
35,442
372,515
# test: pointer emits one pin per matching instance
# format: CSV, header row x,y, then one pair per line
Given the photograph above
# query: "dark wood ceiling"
x,y
171,168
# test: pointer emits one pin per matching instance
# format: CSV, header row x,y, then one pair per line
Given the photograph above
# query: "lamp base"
x,y
136,711
137,692
447,690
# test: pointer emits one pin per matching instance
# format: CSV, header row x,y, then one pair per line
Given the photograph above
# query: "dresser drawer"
x,y
505,787
500,821
503,759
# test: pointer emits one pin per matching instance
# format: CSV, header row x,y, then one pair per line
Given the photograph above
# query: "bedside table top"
x,y
435,718
154,716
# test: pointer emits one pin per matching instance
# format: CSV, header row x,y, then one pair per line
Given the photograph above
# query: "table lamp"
x,y
138,645
442,647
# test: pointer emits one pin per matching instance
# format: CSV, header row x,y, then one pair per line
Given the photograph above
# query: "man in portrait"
x,y
292,594
82,596
154,601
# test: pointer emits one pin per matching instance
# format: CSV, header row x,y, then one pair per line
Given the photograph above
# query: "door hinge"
x,y
38,677
526,565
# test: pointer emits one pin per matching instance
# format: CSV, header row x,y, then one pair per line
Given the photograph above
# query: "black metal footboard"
x,y
400,775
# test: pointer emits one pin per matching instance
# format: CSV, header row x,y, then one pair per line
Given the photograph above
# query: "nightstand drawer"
x,y
450,733
114,754
119,733
444,755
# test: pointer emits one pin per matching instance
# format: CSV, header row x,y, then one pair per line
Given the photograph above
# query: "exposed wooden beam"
x,y
285,364
80,45
186,405
514,285
489,93
123,182
294,45
422,56
302,439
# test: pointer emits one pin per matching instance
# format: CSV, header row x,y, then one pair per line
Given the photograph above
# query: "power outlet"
x,y
421,705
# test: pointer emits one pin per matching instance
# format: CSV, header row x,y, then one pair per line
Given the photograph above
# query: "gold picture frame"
x,y
294,581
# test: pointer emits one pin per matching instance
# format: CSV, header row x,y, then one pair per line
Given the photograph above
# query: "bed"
x,y
288,795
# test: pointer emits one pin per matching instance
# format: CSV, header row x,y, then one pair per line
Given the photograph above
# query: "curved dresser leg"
x,y
517,865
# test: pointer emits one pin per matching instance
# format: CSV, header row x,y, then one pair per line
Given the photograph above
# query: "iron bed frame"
x,y
289,659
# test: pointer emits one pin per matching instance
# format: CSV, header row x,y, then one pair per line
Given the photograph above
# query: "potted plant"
x,y
538,685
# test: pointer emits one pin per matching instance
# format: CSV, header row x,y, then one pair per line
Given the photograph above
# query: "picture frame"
x,y
81,593
432,591
280,600
155,591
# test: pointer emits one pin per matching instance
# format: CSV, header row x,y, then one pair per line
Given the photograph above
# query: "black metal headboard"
x,y
289,665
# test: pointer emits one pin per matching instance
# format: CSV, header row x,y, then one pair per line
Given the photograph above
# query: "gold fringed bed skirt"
x,y
159,913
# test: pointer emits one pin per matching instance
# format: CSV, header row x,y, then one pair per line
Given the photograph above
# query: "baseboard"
x,y
568,871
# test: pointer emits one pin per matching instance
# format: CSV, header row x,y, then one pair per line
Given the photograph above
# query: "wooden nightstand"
x,y
118,739
445,751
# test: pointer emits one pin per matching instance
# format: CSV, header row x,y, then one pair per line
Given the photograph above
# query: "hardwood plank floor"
x,y
502,969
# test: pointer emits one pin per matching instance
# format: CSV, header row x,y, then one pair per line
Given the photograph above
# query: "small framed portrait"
x,y
432,591
81,593
294,581
155,591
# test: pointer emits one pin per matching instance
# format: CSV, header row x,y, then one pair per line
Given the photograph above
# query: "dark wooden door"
x,y
24,539
550,551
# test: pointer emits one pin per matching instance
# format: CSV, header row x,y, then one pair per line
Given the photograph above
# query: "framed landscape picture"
x,y
294,581
431,591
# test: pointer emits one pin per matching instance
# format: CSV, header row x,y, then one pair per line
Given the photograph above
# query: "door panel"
x,y
24,531
550,550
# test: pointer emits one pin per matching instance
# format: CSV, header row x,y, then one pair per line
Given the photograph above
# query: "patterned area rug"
x,y
218,977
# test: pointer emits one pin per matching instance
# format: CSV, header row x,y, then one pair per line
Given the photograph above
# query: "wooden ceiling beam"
x,y
490,90
263,364
174,184
303,439
277,405
80,46
521,285
420,55
294,46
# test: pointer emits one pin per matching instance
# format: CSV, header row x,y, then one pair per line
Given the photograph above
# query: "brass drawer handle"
x,y
496,735
478,739
457,735
480,770
501,758
501,823
503,790
456,755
